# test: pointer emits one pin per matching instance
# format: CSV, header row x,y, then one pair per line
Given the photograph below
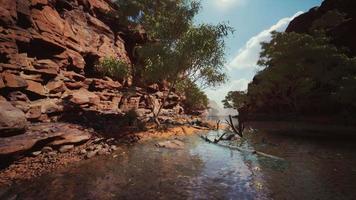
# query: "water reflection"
x,y
311,169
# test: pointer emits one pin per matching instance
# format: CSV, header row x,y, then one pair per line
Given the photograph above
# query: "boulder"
x,y
32,77
46,149
55,86
13,81
36,88
42,135
74,85
22,105
49,106
83,96
12,119
66,148
72,76
34,112
8,13
91,154
17,96
99,84
71,136
47,67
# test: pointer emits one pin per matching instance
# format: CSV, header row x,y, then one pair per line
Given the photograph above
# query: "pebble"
x,y
110,140
83,151
36,153
66,148
113,147
91,148
52,153
46,149
99,147
91,154
98,140
103,152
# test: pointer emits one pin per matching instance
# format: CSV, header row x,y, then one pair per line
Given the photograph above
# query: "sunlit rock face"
x,y
337,17
48,51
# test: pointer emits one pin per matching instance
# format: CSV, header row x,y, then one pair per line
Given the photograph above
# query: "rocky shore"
x,y
78,144
54,108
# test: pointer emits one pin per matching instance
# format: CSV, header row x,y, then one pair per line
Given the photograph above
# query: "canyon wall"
x,y
48,50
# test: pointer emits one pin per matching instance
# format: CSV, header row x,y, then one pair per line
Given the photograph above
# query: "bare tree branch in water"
x,y
239,129
215,141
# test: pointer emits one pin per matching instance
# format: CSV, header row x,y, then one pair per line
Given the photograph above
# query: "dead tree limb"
x,y
241,149
231,124
218,124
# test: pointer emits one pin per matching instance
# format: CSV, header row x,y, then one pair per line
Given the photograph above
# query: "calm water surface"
x,y
312,168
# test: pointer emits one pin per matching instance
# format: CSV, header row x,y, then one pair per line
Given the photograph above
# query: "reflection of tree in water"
x,y
142,172
309,169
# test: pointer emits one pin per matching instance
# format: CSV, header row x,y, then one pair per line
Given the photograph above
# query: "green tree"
x,y
197,56
195,98
235,99
302,74
177,50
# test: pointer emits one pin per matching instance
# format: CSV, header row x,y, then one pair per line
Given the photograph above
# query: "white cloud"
x,y
248,55
228,4
245,63
239,85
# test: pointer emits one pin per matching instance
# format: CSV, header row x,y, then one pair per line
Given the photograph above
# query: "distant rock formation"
x,y
336,17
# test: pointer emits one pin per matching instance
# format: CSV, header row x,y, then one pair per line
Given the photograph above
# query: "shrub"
x,y
113,68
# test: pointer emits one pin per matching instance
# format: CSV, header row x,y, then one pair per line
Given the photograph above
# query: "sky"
x,y
253,20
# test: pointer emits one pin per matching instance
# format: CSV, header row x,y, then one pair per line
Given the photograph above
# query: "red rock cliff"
x,y
48,49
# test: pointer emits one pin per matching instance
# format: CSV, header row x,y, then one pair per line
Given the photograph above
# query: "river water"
x,y
309,168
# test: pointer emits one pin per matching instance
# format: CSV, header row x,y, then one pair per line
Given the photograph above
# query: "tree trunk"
x,y
156,115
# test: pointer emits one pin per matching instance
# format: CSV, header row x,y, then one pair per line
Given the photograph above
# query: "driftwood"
x,y
240,149
239,130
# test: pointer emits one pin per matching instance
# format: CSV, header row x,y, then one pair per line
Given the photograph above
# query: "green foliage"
x,y
195,98
301,74
198,56
163,20
113,68
235,99
178,49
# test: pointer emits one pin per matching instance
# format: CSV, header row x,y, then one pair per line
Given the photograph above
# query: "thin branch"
x,y
242,150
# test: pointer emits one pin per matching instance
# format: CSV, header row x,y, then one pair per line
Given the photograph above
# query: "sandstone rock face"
x,y
48,51
43,134
13,81
12,120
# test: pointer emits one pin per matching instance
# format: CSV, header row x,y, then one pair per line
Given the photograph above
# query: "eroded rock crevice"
x,y
48,53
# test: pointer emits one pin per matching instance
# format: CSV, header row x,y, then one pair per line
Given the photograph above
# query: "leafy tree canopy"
x,y
178,50
235,99
302,74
